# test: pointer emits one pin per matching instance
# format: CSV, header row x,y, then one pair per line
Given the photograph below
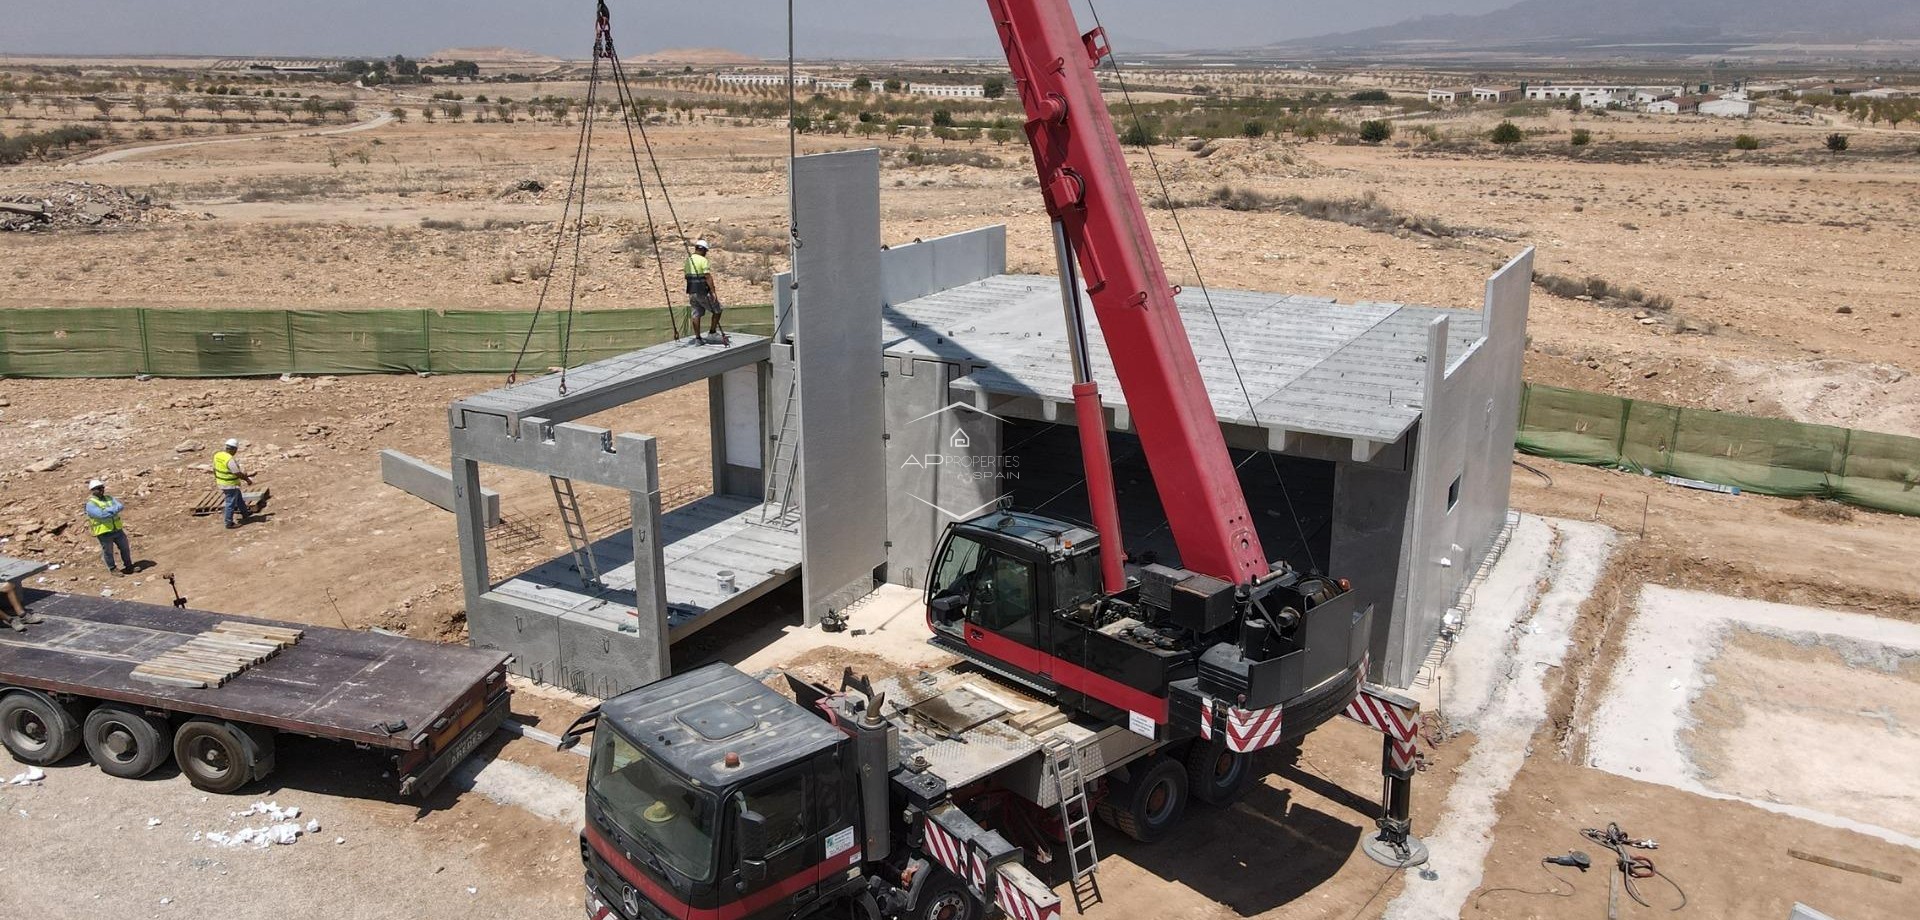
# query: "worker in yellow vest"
x,y
702,299
228,475
103,511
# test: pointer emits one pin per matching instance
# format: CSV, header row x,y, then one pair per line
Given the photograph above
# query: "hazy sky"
x,y
828,28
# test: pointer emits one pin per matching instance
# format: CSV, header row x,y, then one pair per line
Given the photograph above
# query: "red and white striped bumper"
x,y
1245,730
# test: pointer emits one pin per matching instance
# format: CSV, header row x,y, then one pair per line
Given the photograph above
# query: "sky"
x,y
827,28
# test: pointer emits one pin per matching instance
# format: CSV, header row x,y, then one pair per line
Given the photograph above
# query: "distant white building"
x,y
948,90
758,79
1663,107
1496,94
829,86
1884,92
1448,96
1727,108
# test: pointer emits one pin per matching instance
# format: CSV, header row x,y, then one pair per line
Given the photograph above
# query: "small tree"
x,y
249,105
1837,143
218,106
399,114
140,104
862,84
802,123
1138,135
1581,137
104,106
178,105
892,85
942,118
1746,142
1253,129
1507,133
1000,136
866,129
1371,95
1375,132
994,87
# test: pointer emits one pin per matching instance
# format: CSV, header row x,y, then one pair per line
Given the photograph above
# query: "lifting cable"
x,y
1173,211
793,184
577,178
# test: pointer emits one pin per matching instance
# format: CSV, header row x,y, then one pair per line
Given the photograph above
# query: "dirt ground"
x,y
1759,254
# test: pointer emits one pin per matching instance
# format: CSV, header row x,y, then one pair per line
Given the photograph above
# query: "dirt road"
x,y
126,153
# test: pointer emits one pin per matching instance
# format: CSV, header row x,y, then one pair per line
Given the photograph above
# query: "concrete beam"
x,y
566,450
423,480
612,383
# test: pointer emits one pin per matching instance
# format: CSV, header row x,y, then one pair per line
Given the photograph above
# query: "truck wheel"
x,y
36,730
1147,807
221,756
125,742
945,898
1216,775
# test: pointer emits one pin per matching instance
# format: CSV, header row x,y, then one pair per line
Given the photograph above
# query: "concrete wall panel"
x,y
913,270
423,480
942,466
843,527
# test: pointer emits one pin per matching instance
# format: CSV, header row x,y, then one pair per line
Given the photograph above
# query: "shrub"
x,y
1746,142
1138,135
1507,133
1371,95
1581,137
1837,143
1374,132
1253,129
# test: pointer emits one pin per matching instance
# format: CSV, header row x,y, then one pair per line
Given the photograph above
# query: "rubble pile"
x,y
68,205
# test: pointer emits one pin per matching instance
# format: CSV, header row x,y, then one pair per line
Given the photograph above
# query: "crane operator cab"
x,y
1019,594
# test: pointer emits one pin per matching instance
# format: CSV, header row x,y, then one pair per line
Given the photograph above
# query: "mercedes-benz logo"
x,y
631,899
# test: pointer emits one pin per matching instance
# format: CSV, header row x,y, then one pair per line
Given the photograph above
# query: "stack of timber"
x,y
216,656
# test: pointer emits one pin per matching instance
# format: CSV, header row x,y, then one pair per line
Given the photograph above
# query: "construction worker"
x,y
702,299
21,618
104,511
228,475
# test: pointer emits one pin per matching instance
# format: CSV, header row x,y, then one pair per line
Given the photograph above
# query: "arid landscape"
x,y
1671,265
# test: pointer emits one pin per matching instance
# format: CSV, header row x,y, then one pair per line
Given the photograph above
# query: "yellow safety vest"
x,y
222,473
697,266
107,526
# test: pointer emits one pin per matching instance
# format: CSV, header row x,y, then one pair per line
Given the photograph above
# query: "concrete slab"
x,y
423,480
1709,689
611,383
1492,682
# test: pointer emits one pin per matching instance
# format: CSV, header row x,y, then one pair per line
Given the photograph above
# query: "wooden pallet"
x,y
216,656
213,502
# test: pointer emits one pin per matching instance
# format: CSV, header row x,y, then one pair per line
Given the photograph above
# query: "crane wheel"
x,y
35,729
945,897
1147,806
125,742
221,756
1216,775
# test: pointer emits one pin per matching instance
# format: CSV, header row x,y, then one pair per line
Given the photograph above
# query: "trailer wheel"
x,y
125,742
1216,775
1147,807
36,730
945,898
221,756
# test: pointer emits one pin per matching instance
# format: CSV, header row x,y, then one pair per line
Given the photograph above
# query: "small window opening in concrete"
x,y
1453,494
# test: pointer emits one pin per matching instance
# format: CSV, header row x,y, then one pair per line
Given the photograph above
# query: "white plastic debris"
x,y
283,834
270,809
30,776
339,840
472,890
166,901
153,822
313,826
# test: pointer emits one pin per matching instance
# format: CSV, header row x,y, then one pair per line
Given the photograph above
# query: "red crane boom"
x,y
1090,193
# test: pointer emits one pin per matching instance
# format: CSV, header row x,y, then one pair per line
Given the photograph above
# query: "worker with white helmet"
x,y
103,512
228,475
702,299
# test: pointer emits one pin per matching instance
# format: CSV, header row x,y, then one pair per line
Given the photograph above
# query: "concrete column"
x,y
469,511
649,562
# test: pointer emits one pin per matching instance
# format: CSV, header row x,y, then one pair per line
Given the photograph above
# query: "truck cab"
x,y
709,794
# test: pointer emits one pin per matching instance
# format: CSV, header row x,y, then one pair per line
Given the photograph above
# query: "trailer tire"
x,y
125,742
1217,775
221,756
35,729
945,897
1148,806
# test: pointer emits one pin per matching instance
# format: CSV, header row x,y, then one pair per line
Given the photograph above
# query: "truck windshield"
x,y
669,817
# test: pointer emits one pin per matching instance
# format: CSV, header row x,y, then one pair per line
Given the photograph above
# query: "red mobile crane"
x,y
712,796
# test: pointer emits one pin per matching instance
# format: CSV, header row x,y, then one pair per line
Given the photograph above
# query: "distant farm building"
x,y
757,79
830,86
949,90
1727,108
278,65
1448,96
1496,94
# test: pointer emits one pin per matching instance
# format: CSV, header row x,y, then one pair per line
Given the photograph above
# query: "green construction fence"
x,y
129,341
1765,455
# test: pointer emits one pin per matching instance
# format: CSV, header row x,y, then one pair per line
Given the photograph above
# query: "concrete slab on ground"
x,y
1724,697
1492,682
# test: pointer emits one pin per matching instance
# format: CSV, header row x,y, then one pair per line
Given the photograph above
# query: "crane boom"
x,y
1090,193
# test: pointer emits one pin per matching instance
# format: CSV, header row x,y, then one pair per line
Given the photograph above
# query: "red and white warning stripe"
x,y
1023,896
1397,722
945,848
1403,756
1248,730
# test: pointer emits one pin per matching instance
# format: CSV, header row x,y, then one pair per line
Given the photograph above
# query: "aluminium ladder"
x,y
1062,765
784,463
578,539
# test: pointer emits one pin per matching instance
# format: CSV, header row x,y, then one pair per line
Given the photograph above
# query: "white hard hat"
x,y
96,484
701,244
233,442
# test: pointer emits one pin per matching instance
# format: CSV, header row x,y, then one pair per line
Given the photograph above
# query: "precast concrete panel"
x,y
530,634
924,267
944,463
837,355
1371,503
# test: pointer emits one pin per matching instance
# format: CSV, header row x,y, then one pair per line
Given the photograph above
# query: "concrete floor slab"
x,y
1492,683
1806,712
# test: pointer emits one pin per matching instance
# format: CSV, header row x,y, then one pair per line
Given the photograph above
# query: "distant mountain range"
x,y
1580,23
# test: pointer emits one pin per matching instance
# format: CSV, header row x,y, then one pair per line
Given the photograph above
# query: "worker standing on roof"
x,y
228,475
702,298
104,512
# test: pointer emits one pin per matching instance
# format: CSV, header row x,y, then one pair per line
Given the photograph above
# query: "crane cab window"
x,y
1004,596
953,577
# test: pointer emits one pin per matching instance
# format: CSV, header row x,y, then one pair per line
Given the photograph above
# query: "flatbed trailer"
x,y
68,681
